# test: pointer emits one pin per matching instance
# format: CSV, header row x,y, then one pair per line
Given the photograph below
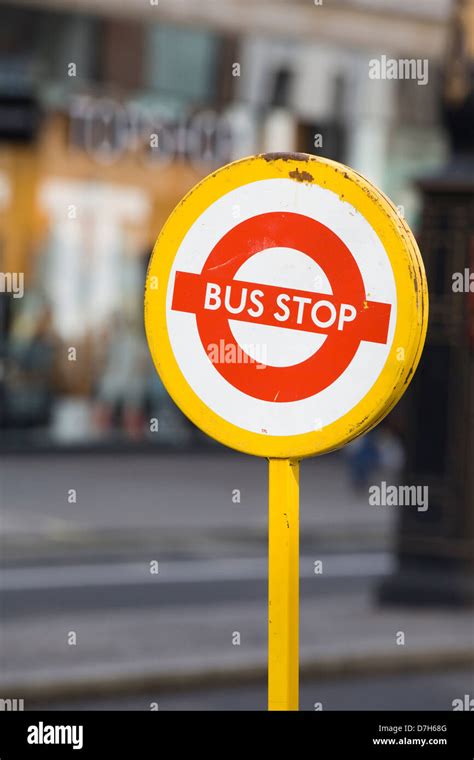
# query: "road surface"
x,y
423,691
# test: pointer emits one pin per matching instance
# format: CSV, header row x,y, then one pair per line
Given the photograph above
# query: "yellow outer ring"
x,y
411,287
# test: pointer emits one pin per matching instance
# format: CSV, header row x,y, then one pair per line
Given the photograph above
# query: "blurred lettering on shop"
x,y
107,129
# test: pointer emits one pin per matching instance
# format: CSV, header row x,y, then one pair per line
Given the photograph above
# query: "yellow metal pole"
x,y
283,584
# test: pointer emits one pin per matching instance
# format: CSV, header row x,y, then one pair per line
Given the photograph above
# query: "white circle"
x,y
323,408
279,346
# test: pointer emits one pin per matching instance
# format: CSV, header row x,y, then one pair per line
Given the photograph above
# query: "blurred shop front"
x,y
90,168
105,123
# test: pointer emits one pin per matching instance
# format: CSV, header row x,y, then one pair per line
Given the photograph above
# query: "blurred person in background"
x,y
121,388
379,450
30,367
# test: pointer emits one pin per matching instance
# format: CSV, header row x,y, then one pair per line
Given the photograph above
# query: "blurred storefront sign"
x,y
108,129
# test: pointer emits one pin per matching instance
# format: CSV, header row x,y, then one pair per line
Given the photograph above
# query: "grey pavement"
x,y
126,651
174,503
32,590
402,691
83,616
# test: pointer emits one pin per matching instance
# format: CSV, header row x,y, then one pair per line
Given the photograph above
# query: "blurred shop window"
x,y
121,54
228,53
17,30
92,264
49,41
417,143
90,277
418,106
19,108
61,39
279,127
182,63
281,88
328,140
327,137
19,117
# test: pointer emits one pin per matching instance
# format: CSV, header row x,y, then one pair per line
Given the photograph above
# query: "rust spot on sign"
x,y
285,156
301,176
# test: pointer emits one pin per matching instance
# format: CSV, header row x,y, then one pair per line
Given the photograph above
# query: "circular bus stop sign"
x,y
286,305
